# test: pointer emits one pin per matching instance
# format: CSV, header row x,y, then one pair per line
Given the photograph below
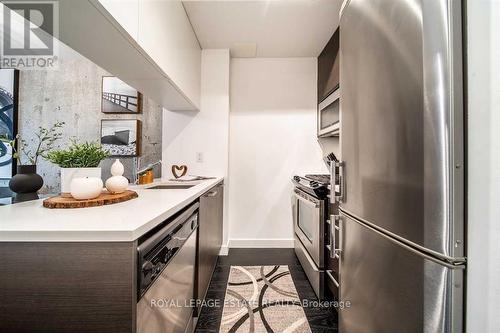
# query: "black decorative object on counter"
x,y
26,181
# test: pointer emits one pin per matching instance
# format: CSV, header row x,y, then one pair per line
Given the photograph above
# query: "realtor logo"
x,y
30,29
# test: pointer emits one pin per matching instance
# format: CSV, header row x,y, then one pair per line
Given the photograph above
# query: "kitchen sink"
x,y
169,187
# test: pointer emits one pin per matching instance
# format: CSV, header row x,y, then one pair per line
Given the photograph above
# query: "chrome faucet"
x,y
135,168
136,171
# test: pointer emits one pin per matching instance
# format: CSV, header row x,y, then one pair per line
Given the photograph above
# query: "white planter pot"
x,y
67,175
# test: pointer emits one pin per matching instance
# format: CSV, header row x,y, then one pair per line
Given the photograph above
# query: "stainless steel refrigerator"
x,y
401,175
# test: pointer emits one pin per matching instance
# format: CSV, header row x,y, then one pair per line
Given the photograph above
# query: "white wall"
x,y
272,137
185,134
483,277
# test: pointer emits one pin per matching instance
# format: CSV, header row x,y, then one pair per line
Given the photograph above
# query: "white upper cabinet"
x,y
165,33
126,13
149,44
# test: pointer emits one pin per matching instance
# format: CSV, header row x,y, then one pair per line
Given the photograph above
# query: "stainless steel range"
x,y
310,208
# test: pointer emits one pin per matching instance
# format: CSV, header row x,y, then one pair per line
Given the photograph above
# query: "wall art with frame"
x,y
118,97
121,137
9,95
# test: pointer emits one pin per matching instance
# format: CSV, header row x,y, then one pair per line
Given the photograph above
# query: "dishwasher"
x,y
166,276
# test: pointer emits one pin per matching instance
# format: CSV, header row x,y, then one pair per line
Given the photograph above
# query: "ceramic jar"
x,y
117,183
117,168
84,188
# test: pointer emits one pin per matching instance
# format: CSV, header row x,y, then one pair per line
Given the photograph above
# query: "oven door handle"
x,y
307,202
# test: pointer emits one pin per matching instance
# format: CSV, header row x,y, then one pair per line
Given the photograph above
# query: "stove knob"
x,y
166,257
147,267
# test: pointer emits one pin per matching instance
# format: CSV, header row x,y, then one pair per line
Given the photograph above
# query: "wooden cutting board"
x,y
105,198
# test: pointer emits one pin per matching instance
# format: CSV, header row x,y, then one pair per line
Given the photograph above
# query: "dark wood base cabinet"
x,y
68,287
210,237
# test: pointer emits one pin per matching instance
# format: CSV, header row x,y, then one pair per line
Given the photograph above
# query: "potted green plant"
x,y
27,153
79,160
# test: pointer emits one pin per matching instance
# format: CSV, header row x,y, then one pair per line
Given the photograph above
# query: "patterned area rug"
x,y
262,299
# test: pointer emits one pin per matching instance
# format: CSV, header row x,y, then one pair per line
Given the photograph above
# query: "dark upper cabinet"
x,y
328,67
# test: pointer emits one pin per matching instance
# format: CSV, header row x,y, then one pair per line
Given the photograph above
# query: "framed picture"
x,y
121,137
9,90
119,97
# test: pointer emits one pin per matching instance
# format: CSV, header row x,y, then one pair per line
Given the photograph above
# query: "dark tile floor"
x,y
320,319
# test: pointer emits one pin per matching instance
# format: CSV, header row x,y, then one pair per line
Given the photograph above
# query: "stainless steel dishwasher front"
x,y
166,306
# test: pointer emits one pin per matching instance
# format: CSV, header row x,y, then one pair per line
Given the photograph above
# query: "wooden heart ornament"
x,y
183,169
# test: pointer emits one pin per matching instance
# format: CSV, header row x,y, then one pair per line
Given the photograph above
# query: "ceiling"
x,y
278,28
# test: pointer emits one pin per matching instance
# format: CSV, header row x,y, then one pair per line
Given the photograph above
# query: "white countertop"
x,y
126,221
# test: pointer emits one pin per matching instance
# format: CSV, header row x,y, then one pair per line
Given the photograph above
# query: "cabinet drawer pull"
x,y
212,194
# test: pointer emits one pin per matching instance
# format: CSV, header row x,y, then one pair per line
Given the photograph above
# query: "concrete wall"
x,y
483,250
272,137
72,94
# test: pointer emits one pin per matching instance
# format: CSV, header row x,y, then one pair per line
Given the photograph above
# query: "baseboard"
x,y
261,243
224,250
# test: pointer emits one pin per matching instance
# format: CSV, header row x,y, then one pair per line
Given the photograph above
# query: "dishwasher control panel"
x,y
155,253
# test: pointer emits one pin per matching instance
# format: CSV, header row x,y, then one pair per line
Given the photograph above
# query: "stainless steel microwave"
x,y
329,115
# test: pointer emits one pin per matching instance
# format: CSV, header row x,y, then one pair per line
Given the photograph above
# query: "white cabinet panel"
x,y
165,33
162,29
126,12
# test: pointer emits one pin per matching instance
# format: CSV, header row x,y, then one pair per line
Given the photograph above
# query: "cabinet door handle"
x,y
212,194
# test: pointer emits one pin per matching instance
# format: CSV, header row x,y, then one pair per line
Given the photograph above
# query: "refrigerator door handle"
x,y
341,236
334,250
333,183
339,196
457,263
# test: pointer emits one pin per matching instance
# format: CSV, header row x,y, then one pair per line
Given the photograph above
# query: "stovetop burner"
x,y
325,179
316,185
